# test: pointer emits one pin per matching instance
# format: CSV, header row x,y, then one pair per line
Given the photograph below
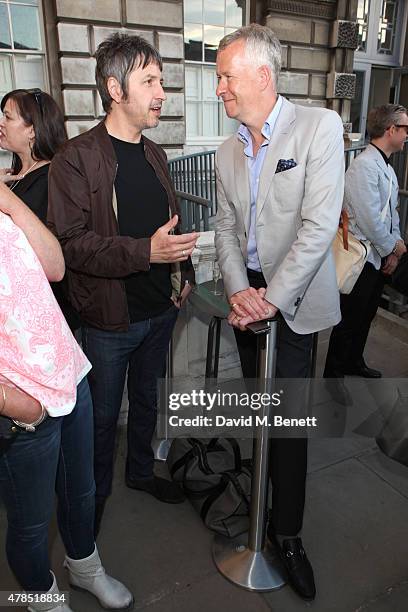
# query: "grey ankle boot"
x,y
56,605
89,575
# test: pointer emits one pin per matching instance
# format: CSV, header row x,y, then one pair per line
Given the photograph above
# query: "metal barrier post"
x,y
249,560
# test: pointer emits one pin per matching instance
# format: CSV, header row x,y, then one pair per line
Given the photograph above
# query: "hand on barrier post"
x,y
249,560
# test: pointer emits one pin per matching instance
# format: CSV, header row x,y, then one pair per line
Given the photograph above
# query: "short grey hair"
x,y
262,46
382,117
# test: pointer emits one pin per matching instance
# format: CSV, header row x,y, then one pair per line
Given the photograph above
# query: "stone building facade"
x,y
319,38
315,66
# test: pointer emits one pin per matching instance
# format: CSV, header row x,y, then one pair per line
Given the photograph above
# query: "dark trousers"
x,y
142,351
358,309
57,457
288,457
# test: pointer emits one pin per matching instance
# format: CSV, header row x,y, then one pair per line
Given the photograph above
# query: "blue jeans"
x,y
143,349
58,457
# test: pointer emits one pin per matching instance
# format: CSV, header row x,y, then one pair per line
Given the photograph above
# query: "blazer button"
x,y
297,302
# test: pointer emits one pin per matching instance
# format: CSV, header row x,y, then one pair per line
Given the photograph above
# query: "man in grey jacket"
x,y
280,189
371,185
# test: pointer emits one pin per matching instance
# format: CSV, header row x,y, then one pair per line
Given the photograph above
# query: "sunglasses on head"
x,y
37,93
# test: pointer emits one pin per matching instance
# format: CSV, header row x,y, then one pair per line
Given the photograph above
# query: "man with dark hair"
x,y
110,197
370,199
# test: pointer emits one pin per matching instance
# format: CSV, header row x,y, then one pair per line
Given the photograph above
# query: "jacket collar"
x,y
284,125
375,154
101,135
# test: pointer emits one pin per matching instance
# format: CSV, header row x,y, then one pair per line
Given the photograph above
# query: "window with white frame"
x,y
381,25
205,23
22,49
362,20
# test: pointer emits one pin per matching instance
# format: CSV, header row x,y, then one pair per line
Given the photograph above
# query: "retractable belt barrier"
x,y
249,560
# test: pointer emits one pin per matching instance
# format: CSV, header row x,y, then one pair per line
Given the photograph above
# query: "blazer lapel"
x,y
283,126
242,182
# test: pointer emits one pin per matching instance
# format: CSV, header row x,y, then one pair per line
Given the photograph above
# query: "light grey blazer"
x,y
297,216
365,194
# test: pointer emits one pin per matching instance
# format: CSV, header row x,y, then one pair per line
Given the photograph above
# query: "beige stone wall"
x,y
82,24
306,57
317,39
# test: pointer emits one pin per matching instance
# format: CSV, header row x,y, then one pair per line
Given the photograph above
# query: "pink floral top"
x,y
38,352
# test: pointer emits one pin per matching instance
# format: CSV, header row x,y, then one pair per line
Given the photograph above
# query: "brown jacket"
x,y
82,214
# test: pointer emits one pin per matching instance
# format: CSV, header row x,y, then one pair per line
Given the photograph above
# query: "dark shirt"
x,y
142,208
385,158
33,191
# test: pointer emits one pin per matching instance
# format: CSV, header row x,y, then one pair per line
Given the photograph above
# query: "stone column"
x,y
318,38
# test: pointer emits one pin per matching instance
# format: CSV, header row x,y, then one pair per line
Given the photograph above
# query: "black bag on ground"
x,y
215,479
399,279
393,437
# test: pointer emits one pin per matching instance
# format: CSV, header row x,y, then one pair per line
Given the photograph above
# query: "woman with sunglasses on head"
x,y
46,424
32,129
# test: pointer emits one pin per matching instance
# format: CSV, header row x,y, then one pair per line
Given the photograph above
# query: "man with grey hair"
x,y
114,210
371,187
280,188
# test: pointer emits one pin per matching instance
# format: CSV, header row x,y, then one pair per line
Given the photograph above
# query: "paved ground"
x,y
355,530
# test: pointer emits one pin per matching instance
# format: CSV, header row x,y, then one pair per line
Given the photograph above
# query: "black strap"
x,y
227,477
213,497
186,457
213,443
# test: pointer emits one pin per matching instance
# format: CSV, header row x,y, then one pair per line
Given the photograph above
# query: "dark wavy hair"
x,y
38,109
116,57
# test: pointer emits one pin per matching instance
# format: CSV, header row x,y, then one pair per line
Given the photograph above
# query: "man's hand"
x,y
399,249
168,248
391,262
269,310
249,303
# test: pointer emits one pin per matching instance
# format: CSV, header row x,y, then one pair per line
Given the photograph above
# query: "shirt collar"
x,y
244,134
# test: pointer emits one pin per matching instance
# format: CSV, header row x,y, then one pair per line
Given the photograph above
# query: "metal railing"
x,y
194,180
194,212
195,174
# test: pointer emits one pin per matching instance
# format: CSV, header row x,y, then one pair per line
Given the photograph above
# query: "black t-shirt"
x,y
33,190
142,208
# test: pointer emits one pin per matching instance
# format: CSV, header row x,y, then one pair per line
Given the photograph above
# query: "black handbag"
x,y
399,279
216,481
393,437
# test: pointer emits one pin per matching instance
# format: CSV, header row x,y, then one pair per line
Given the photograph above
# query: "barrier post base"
x,y
251,570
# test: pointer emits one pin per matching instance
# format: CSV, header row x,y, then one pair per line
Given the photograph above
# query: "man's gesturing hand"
x,y
167,248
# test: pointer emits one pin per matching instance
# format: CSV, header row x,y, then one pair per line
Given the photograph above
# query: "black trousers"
x,y
288,457
358,309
